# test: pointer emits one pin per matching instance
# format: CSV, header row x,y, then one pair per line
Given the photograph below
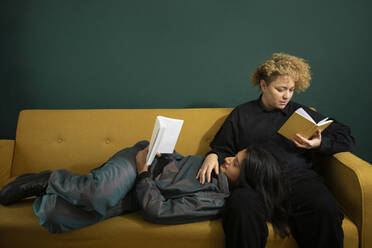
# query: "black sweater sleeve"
x,y
335,138
224,143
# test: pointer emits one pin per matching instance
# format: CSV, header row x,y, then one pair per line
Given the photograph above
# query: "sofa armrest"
x,y
350,180
6,159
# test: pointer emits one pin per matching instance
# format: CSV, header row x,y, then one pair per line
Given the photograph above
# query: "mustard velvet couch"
x,y
81,140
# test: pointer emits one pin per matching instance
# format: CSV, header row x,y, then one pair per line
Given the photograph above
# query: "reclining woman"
x,y
167,192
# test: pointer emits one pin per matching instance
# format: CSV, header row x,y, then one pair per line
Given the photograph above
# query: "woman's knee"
x,y
312,197
58,216
45,208
244,219
326,207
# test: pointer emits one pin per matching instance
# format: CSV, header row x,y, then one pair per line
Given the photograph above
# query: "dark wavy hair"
x,y
262,172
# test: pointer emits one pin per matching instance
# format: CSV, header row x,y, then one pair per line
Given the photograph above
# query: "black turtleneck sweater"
x,y
252,124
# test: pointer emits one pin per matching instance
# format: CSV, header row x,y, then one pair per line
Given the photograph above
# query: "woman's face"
x,y
278,93
231,167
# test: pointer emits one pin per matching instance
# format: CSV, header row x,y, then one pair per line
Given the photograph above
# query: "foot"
x,y
24,186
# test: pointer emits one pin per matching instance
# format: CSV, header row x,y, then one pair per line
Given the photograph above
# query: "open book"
x,y
164,137
302,123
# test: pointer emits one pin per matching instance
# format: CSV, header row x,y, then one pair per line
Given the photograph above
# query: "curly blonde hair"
x,y
280,64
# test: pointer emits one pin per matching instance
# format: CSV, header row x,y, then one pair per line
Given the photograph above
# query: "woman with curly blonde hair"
x,y
283,64
314,218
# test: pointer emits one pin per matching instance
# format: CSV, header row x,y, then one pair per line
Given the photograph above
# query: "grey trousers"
x,y
73,201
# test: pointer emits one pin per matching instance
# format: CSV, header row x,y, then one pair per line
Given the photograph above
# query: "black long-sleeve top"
x,y
252,124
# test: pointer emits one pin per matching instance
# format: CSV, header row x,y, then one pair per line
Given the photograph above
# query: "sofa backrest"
x,y
81,140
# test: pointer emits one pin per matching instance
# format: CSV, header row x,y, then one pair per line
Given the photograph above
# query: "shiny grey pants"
x,y
73,201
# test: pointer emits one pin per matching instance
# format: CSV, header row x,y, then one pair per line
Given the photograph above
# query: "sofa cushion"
x,y
127,231
80,140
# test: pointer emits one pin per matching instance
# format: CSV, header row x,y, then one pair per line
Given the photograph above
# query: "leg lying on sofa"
x,y
58,216
68,200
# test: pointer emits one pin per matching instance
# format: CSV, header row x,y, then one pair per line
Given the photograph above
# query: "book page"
x,y
322,121
154,136
303,113
164,136
324,125
171,133
154,143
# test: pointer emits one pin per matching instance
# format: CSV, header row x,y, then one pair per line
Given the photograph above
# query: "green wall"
x,y
180,54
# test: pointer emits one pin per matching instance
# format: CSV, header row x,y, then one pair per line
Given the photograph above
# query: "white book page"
x,y
155,133
155,146
164,137
171,133
303,113
323,121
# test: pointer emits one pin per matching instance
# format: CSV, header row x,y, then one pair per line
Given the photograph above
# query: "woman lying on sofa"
x,y
167,191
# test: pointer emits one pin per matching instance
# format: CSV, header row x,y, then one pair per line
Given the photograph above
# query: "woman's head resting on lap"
x,y
259,170
279,77
232,166
252,167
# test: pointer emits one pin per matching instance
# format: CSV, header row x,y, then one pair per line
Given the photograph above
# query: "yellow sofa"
x,y
81,140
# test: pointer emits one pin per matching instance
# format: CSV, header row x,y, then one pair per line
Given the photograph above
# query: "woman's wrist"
x,y
142,176
213,156
142,169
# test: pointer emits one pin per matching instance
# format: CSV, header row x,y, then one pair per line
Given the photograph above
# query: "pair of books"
x,y
166,131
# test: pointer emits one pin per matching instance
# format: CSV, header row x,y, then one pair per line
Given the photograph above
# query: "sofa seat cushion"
x,y
19,228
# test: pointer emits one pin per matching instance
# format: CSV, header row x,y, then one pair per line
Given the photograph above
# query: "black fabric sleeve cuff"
x,y
325,146
210,152
143,175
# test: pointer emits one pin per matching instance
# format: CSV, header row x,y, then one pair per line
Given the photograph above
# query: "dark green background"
x,y
181,54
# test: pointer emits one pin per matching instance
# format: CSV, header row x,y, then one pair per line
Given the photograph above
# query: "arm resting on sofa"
x,y
350,180
6,159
